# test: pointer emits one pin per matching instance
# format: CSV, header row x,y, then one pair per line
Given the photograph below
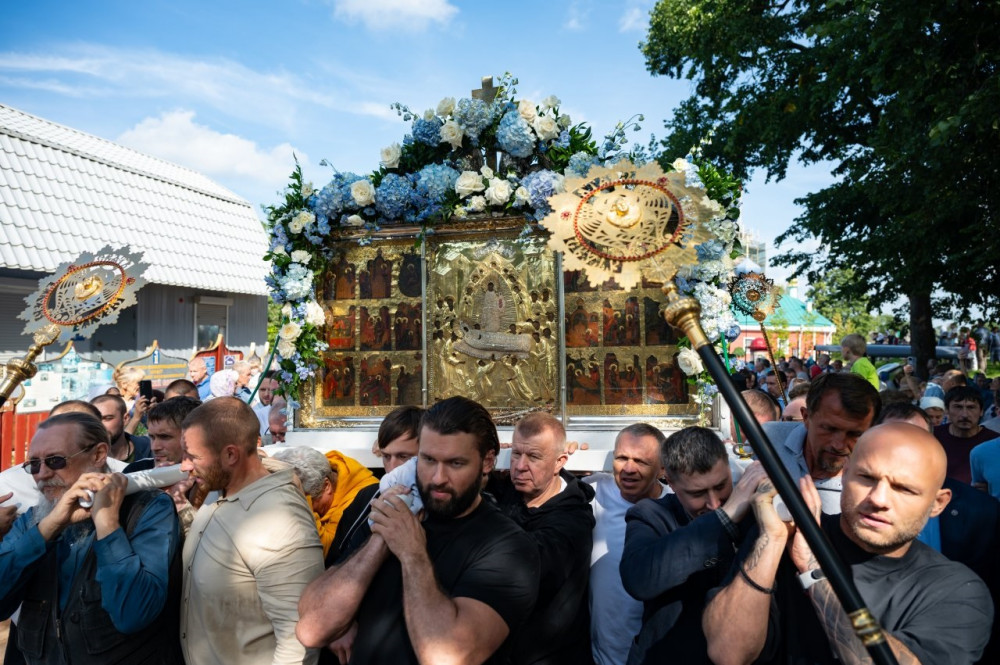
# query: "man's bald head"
x,y
892,486
910,443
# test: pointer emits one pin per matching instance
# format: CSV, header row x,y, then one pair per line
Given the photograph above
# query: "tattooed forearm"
x,y
843,641
758,549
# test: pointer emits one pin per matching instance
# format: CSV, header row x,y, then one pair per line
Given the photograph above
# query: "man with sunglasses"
x,y
94,582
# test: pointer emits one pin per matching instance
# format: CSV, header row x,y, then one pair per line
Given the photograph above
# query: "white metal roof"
x,y
63,192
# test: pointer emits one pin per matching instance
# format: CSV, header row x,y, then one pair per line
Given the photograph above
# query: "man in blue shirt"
x,y
198,373
95,582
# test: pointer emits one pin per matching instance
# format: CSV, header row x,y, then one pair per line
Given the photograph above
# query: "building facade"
x,y
63,192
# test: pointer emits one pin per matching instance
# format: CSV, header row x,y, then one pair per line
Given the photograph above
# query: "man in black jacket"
x,y
678,547
553,507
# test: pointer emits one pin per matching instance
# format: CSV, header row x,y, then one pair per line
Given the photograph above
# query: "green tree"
x,y
902,99
849,315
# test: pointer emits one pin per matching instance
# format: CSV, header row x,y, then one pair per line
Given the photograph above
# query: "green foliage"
x,y
849,315
274,320
294,199
580,140
901,98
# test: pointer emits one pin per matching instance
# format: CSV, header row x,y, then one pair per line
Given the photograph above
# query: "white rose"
x,y
301,256
307,189
286,349
354,220
279,250
290,331
550,102
486,172
527,110
689,362
315,316
390,156
564,122
545,127
521,196
429,115
446,106
286,310
301,221
477,204
680,164
468,183
452,133
498,193
363,193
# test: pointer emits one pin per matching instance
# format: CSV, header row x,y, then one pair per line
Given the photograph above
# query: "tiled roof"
x,y
63,192
790,313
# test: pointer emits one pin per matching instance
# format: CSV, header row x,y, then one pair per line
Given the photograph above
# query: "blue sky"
x,y
233,89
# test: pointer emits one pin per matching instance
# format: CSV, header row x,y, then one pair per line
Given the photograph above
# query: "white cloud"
x,y
264,97
636,16
632,20
176,137
577,16
412,15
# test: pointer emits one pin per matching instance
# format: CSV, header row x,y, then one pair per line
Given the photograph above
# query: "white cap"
x,y
931,403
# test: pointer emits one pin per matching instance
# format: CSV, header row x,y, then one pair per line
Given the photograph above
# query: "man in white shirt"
x,y
615,616
247,557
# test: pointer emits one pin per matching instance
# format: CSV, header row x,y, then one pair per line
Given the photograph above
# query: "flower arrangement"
x,y
468,159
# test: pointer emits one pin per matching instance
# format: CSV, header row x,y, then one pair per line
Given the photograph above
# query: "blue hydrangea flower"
x,y
473,116
435,180
514,136
427,131
580,163
335,197
710,251
393,197
563,140
541,185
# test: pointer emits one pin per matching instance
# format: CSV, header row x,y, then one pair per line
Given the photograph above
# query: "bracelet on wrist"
x,y
752,584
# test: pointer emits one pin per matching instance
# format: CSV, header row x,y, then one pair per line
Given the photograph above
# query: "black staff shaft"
x,y
840,578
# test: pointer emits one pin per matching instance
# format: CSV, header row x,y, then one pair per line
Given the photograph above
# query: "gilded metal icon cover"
x,y
625,220
86,292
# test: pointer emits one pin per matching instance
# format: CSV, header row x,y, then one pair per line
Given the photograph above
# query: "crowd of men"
x,y
680,554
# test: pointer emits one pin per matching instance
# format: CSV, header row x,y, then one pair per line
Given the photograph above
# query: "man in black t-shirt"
x,y
934,611
452,588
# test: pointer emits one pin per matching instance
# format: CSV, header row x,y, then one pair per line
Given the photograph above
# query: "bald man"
x,y
934,611
967,531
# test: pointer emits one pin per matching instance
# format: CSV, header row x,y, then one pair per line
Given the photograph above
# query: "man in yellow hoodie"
x,y
338,489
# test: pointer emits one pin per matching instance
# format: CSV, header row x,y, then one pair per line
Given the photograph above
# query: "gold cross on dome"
x,y
487,93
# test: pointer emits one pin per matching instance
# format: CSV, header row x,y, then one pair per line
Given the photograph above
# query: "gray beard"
x,y
74,534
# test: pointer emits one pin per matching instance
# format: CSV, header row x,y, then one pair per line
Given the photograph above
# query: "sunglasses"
x,y
54,462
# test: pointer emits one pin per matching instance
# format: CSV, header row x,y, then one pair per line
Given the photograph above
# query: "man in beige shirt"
x,y
249,555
